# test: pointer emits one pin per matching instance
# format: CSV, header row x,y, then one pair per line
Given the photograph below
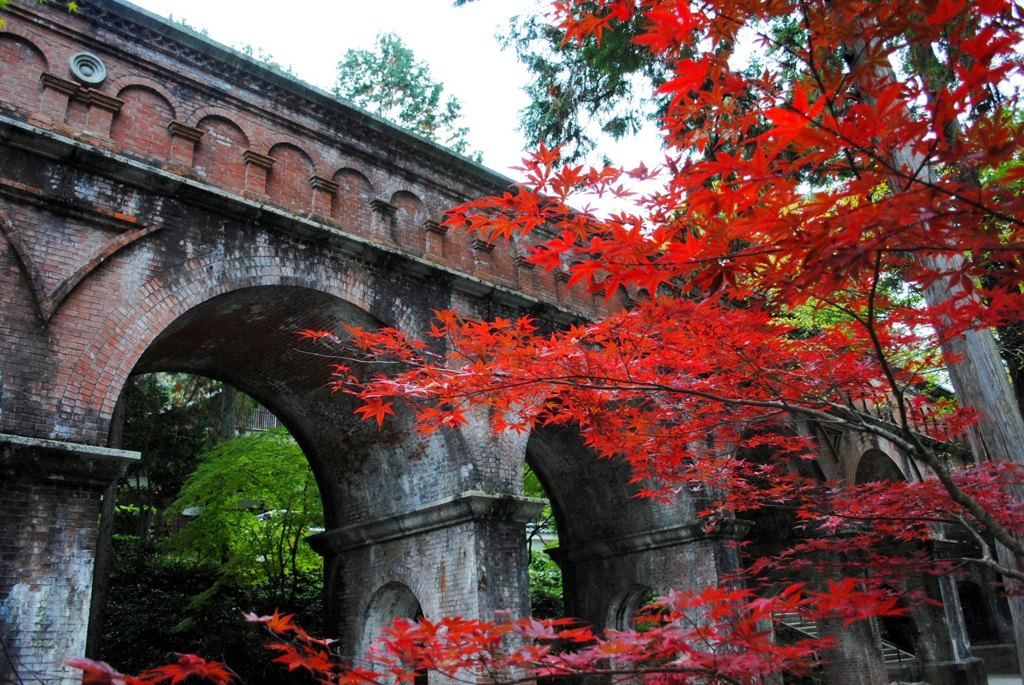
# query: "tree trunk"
x,y
228,413
979,379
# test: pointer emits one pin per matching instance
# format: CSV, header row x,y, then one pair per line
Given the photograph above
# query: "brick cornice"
x,y
59,84
180,130
671,536
101,100
321,183
383,207
258,159
431,226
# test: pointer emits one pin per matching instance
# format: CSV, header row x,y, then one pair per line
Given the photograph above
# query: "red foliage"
x,y
777,273
188,666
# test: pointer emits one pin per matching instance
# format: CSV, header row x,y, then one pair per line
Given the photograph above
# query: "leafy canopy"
x,y
255,500
391,82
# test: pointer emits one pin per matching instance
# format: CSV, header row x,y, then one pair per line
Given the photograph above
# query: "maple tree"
x,y
820,244
816,245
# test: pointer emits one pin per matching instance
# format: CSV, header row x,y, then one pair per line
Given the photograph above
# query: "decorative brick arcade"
x,y
167,204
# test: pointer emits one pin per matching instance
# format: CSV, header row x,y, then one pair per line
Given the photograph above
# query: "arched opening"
x,y
877,466
213,519
393,600
624,611
244,345
608,537
546,592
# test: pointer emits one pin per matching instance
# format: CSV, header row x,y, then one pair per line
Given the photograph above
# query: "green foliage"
x,y
256,500
150,612
390,82
545,587
545,575
579,91
267,58
170,435
4,4
182,23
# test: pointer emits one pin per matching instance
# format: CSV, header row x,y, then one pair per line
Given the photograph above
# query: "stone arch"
x,y
392,600
626,541
245,337
351,204
23,58
322,297
218,156
141,127
875,465
288,183
626,603
409,215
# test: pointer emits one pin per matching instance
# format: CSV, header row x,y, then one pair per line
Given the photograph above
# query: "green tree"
x,y
170,433
545,574
580,91
256,500
389,81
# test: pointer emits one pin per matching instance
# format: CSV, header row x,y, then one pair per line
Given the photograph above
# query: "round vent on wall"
x,y
87,68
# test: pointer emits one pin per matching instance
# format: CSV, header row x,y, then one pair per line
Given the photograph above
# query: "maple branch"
x,y
986,554
905,439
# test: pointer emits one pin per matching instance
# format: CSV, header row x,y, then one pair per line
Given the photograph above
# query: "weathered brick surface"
x,y
49,503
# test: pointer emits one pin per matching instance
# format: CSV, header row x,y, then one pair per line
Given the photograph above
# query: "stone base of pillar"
x,y
970,671
49,505
461,556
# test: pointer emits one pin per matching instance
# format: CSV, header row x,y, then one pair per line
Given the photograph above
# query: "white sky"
x,y
310,36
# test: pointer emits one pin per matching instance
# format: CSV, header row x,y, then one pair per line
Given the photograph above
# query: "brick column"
x,y
435,233
324,190
461,556
54,107
183,143
599,574
49,505
102,109
383,219
257,169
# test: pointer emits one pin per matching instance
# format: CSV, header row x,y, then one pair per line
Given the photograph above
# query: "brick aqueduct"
x,y
167,204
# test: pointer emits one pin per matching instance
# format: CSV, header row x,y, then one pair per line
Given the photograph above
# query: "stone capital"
x,y
56,460
180,130
431,226
256,159
325,184
671,536
465,507
383,207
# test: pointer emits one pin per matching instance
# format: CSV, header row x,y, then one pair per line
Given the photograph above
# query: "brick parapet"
x,y
148,59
